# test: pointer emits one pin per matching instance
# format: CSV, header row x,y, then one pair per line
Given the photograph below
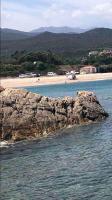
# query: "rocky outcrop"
x,y
27,115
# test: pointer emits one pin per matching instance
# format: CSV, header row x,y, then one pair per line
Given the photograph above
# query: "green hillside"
x,y
10,34
65,44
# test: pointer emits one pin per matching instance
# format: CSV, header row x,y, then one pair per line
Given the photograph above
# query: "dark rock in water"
x,y
25,115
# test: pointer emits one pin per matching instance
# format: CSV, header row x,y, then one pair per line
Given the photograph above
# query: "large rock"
x,y
27,115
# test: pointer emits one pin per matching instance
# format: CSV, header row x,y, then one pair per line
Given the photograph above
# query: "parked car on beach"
x,y
22,76
51,74
28,75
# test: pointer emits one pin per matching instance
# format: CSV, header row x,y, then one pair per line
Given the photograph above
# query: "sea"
x,y
73,164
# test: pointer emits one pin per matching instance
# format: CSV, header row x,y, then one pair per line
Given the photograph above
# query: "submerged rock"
x,y
25,115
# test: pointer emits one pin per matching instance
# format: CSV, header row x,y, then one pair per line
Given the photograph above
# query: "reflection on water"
x,y
75,164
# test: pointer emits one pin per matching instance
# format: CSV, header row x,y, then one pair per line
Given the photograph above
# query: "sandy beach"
x,y
44,80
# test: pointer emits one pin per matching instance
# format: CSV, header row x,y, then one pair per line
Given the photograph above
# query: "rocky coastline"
x,y
26,115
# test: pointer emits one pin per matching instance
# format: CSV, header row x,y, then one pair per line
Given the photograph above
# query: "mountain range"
x,y
11,34
64,29
63,43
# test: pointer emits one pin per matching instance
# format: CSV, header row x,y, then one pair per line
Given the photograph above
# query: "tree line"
x,y
42,62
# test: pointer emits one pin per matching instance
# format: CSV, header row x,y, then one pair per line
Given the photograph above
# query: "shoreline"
x,y
45,80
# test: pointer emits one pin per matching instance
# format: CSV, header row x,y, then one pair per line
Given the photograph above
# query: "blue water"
x,y
75,164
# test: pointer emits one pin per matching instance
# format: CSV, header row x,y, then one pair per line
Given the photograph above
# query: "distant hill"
x,y
54,29
63,43
10,34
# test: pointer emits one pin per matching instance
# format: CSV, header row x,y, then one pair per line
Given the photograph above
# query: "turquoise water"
x,y
75,164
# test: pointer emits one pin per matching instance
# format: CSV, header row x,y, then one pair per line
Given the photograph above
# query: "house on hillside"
x,y
89,69
93,53
105,52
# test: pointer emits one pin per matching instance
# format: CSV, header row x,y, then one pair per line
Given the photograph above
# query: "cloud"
x,y
27,15
102,9
76,13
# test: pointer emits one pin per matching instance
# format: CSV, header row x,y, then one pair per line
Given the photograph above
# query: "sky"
x,y
27,15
